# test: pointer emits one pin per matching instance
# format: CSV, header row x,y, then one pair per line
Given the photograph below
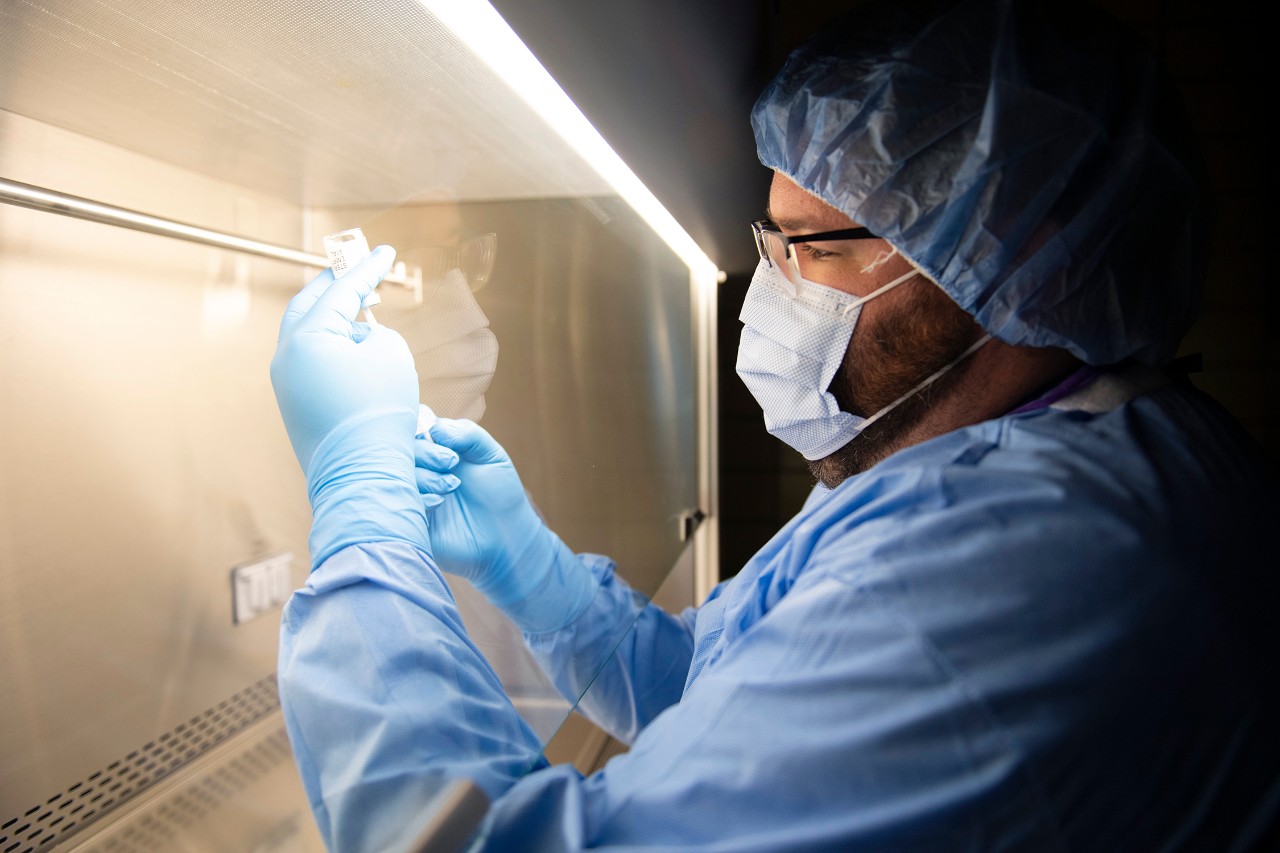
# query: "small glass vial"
x,y
344,250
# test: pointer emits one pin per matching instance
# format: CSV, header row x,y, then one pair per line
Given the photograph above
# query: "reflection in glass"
x,y
593,395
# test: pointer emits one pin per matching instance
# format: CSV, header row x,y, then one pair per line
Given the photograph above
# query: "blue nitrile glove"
x,y
485,530
434,462
348,393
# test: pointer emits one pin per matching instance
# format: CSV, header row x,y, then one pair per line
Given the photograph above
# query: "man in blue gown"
x,y
1025,606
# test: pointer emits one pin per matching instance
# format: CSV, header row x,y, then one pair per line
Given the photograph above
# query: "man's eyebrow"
x,y
803,224
785,223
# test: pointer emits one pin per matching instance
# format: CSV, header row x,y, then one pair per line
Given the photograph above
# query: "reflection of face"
x,y
454,350
418,230
901,337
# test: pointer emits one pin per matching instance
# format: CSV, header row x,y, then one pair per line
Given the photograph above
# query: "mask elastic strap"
x,y
859,302
929,380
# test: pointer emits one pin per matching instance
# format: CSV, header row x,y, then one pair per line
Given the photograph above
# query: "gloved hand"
x,y
348,394
434,462
485,529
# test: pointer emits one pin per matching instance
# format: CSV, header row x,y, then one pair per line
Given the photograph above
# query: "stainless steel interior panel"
x,y
592,395
596,403
139,462
142,458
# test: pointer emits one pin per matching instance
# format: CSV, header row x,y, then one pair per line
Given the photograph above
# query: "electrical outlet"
x,y
260,586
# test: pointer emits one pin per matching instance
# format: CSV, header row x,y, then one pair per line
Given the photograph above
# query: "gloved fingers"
x,y
431,501
426,418
433,483
304,300
470,440
387,342
431,456
336,308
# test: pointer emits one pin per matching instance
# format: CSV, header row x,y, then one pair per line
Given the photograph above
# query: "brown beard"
x,y
885,362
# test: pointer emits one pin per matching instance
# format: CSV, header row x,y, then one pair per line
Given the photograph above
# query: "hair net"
x,y
1028,156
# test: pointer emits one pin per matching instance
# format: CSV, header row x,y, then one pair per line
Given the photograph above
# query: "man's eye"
x,y
814,252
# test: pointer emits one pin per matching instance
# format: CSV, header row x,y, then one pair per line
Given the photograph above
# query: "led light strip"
x,y
479,26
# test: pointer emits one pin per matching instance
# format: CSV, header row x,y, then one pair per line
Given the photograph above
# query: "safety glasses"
x,y
775,247
474,257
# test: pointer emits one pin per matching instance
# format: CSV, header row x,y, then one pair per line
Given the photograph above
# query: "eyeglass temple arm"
x,y
842,234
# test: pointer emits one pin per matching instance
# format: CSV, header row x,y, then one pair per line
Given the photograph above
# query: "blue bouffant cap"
x,y
1028,155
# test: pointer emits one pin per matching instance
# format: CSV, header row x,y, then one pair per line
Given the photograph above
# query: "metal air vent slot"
x,y
103,790
161,830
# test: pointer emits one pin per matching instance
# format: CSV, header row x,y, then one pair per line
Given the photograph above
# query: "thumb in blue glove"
x,y
348,395
486,530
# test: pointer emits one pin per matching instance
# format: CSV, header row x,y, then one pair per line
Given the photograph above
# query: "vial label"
x,y
344,250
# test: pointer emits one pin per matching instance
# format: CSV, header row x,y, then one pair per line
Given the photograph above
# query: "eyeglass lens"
x,y
776,250
475,258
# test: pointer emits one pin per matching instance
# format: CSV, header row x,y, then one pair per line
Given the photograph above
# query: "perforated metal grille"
x,y
89,799
161,829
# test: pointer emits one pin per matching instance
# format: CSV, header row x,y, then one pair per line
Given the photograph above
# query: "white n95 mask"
x,y
791,348
453,348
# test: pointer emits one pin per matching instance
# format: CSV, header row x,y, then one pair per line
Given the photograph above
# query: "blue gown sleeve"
x,y
829,724
386,699
623,660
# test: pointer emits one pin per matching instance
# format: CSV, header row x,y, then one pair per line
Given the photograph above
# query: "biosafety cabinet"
x,y
168,172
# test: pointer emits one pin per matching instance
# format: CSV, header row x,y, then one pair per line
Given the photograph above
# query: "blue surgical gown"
x,y
1047,631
